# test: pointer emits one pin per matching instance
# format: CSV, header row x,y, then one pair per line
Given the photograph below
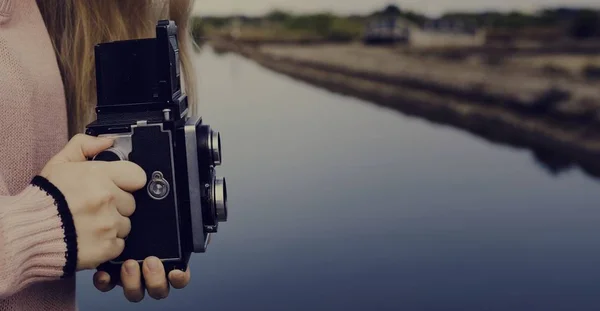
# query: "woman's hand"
x,y
154,277
98,195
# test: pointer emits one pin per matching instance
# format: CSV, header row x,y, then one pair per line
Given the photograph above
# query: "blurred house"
x,y
434,33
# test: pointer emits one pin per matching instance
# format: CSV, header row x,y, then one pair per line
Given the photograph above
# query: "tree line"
x,y
577,22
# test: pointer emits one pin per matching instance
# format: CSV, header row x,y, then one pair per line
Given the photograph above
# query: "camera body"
x,y
142,105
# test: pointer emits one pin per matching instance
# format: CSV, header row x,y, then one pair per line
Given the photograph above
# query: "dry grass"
x,y
573,65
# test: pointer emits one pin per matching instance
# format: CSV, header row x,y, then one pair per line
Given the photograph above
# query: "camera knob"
x,y
110,154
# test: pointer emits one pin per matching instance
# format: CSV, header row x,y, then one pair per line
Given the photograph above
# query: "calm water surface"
x,y
336,204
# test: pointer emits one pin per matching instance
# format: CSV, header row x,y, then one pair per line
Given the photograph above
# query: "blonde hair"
x,y
76,26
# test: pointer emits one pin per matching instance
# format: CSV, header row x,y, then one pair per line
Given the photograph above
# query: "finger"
x,y
131,277
180,279
155,278
102,281
126,175
124,227
124,201
81,147
117,247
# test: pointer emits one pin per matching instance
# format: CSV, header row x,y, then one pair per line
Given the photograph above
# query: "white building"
x,y
445,33
435,33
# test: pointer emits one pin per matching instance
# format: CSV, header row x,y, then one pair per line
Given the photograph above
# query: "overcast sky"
x,y
430,7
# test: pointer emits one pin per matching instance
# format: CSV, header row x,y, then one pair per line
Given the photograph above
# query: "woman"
x,y
59,213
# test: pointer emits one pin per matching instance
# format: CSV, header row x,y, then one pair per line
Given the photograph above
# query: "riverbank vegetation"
x,y
285,26
561,42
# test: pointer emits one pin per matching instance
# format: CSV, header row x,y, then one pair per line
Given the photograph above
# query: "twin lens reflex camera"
x,y
142,105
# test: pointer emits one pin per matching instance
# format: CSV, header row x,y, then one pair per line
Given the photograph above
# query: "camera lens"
x,y
215,147
209,145
219,190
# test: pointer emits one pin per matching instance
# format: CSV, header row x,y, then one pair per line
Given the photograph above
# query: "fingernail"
x,y
130,268
153,264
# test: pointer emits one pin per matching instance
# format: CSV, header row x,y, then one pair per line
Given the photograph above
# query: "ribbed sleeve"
x,y
37,238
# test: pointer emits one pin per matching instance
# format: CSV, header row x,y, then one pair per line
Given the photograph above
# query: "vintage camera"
x,y
142,105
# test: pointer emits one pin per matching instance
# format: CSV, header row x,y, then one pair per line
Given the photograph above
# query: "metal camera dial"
x,y
158,186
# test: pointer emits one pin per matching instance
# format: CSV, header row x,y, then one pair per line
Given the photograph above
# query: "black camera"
x,y
142,105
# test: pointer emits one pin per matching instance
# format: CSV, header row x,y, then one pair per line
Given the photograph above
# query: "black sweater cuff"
x,y
67,223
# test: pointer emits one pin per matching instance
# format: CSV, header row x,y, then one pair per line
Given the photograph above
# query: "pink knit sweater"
x,y
35,269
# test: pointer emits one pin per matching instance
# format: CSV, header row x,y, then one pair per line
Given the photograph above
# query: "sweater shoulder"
x,y
33,119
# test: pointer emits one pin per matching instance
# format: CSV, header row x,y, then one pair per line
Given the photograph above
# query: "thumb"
x,y
81,147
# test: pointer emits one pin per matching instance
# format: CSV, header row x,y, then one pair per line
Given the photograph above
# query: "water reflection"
x,y
337,204
554,163
548,158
